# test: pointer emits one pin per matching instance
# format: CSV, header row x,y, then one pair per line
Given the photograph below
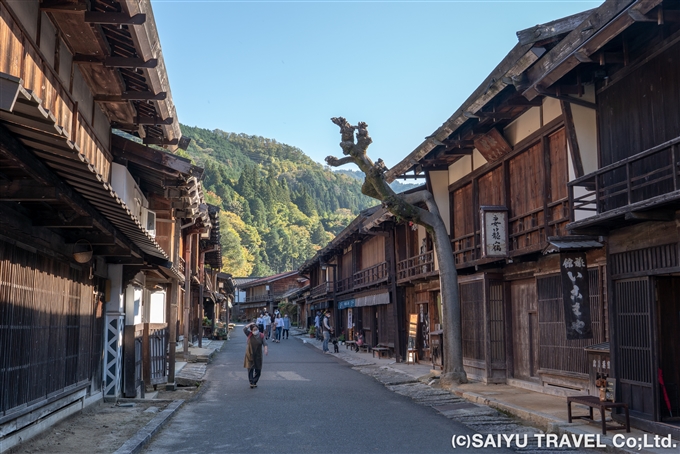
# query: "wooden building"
x,y
355,277
265,294
91,222
566,154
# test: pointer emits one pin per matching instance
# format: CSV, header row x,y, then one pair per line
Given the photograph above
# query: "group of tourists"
x,y
273,326
265,327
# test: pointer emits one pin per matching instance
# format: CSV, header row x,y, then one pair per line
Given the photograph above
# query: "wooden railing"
x,y
371,276
643,180
256,298
419,266
526,232
154,343
321,290
345,285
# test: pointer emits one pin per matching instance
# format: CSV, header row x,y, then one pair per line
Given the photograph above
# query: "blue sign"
x,y
345,304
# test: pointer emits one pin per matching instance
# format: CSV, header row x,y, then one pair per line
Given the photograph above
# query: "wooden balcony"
x,y
257,298
373,275
639,188
527,233
345,285
415,268
321,291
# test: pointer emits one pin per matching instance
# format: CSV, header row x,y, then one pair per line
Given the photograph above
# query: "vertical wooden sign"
x,y
494,231
576,295
412,330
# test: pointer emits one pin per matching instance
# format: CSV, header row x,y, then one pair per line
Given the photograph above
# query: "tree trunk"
x,y
404,207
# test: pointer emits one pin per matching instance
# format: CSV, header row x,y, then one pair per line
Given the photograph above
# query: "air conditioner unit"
x,y
151,223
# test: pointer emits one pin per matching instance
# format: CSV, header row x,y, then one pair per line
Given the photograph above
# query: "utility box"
x,y
599,366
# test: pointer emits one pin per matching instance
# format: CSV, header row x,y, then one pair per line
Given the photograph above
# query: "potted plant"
x,y
312,331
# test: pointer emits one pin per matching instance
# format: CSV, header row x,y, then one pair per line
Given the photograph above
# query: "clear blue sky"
x,y
282,69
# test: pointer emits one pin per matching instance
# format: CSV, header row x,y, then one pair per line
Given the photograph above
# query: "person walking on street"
x,y
279,327
286,326
317,324
327,330
259,323
266,325
255,346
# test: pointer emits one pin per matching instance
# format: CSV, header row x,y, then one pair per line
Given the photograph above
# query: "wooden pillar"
x,y
187,291
173,301
391,256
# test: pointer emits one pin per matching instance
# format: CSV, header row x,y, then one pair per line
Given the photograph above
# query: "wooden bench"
x,y
352,344
594,402
383,349
365,348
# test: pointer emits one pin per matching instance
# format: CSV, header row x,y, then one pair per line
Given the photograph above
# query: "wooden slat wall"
x,y
557,353
526,198
46,326
472,319
372,252
496,321
19,58
634,365
463,222
491,188
641,110
558,206
525,332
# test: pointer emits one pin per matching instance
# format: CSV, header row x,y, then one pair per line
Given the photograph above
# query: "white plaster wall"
x,y
157,307
440,188
524,126
585,124
477,159
460,168
551,109
133,305
115,303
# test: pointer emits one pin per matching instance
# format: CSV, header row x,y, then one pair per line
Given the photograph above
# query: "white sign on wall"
x,y
494,223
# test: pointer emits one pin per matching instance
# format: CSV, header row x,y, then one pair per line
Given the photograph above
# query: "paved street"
x,y
305,402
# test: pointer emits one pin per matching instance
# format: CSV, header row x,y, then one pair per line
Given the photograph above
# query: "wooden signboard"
x,y
412,330
494,223
576,295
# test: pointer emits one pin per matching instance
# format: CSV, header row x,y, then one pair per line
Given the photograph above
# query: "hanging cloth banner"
x,y
576,295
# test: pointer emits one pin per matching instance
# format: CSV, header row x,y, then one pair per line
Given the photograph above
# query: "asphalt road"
x,y
305,402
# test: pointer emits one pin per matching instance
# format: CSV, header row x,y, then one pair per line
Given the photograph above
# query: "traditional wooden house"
x,y
627,193
90,221
562,181
499,169
265,294
355,277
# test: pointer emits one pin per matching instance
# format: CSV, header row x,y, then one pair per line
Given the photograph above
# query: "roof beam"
x,y
154,121
27,191
39,171
115,62
134,152
132,96
610,19
93,17
62,222
552,29
63,6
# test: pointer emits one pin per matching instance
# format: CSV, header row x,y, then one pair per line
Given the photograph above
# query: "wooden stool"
x,y
595,402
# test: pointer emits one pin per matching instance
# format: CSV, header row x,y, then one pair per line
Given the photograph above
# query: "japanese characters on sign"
x,y
494,231
576,295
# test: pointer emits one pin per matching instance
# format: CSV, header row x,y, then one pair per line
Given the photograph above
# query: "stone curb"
x,y
548,423
143,436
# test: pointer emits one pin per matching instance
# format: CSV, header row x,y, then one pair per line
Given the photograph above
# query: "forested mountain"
x,y
279,206
397,186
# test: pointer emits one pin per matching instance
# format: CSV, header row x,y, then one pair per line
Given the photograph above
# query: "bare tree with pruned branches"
x,y
355,142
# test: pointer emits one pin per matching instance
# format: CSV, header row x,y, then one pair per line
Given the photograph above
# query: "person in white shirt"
x,y
259,324
279,328
266,325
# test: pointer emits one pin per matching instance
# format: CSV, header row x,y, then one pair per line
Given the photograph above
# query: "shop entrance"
x,y
668,327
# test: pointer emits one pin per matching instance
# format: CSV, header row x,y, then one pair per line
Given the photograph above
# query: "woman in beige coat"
x,y
255,345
